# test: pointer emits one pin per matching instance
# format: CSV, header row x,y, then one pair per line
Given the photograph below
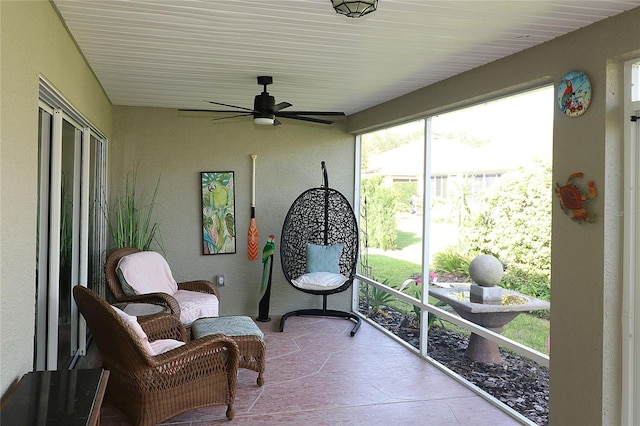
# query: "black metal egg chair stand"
x,y
321,216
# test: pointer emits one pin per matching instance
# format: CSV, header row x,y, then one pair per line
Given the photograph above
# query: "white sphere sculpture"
x,y
486,270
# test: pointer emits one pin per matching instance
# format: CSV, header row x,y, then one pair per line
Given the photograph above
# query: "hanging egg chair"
x,y
319,248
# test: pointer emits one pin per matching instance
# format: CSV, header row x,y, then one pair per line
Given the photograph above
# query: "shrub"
x,y
514,223
405,192
452,261
379,208
530,283
376,298
413,287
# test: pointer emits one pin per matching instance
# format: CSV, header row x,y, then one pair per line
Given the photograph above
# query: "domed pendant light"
x,y
354,9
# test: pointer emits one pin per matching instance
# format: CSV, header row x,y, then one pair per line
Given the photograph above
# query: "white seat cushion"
x,y
194,305
161,346
319,281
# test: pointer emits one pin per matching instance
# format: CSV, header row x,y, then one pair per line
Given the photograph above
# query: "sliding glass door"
x,y
70,231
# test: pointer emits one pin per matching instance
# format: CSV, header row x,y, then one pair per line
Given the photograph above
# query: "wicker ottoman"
x,y
244,332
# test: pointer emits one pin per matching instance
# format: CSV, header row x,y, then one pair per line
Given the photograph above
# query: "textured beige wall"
x,y
585,364
34,43
177,146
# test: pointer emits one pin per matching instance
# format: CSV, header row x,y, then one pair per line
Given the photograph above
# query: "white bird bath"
x,y
491,316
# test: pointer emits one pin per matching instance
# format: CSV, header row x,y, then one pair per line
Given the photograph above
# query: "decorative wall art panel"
x,y
218,213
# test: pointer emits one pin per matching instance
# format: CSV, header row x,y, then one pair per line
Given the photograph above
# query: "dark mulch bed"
x,y
519,383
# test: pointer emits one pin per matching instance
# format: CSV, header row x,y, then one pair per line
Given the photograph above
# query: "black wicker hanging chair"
x,y
320,217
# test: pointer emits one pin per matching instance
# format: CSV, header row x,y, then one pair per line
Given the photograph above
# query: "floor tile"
x,y
317,374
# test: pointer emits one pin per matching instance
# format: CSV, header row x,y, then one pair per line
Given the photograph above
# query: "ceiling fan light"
x,y
265,121
353,8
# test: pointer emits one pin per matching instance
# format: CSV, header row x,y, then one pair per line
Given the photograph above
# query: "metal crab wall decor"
x,y
571,200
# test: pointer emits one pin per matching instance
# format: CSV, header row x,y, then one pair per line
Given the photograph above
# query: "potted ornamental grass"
x,y
131,221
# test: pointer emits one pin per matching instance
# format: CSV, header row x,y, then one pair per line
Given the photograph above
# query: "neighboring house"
x,y
589,380
453,161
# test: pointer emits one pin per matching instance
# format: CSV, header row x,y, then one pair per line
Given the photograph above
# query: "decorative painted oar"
x,y
252,236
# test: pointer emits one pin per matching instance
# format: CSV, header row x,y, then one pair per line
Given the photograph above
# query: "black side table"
x,y
65,397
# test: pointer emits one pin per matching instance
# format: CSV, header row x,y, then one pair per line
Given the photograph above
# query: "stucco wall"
x,y
34,43
177,146
585,364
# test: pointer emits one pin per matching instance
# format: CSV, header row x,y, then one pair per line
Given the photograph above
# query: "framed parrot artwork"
x,y
218,213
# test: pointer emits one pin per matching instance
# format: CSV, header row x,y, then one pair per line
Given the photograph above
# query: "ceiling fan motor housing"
x,y
263,105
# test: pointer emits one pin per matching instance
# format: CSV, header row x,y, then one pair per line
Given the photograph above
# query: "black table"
x,y
66,397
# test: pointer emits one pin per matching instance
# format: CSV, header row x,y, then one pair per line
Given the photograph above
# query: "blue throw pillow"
x,y
324,258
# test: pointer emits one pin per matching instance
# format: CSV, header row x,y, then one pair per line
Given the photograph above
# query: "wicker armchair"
x,y
149,389
163,299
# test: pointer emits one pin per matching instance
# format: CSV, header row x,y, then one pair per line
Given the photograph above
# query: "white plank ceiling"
x,y
179,53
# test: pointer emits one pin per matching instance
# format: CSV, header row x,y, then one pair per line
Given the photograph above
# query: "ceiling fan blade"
x,y
281,105
215,110
230,106
313,120
245,114
230,112
312,113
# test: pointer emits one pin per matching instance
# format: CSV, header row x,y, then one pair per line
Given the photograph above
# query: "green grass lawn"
x,y
394,271
405,239
529,330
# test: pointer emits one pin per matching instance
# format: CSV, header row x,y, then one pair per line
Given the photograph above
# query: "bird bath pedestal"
x,y
492,316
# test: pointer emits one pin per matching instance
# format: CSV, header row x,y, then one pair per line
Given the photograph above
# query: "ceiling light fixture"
x,y
354,9
265,120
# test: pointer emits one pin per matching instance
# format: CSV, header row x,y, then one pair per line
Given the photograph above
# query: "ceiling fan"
x,y
265,110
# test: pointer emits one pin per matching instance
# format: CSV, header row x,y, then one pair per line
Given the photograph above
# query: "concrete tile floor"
x,y
317,374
